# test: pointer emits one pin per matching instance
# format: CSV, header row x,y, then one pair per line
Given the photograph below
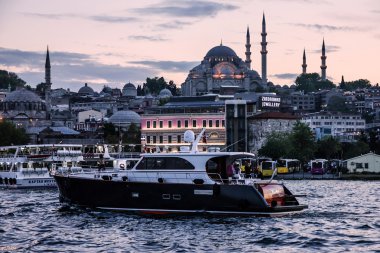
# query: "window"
x,y
169,139
170,124
148,139
178,138
366,165
154,124
164,163
204,123
194,123
148,124
179,124
154,139
161,124
223,123
210,123
186,123
217,123
161,139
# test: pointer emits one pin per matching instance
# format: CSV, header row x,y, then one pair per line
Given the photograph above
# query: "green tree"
x,y
133,135
302,142
337,104
7,78
312,82
276,146
154,85
12,135
352,149
328,148
110,134
357,84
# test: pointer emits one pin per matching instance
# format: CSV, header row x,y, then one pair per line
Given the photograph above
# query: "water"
x,y
343,216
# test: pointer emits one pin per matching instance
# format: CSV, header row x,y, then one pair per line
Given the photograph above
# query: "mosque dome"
x,y
86,90
165,93
105,89
22,95
125,118
129,90
221,51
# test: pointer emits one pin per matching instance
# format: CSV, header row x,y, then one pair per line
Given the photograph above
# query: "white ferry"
x,y
28,166
188,182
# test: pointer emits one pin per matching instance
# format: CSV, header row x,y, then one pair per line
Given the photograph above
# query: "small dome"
x,y
86,90
106,89
221,51
129,86
125,117
165,93
129,90
22,95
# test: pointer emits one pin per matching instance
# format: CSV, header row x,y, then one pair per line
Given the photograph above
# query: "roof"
x,y
63,130
275,115
356,157
22,95
122,117
221,51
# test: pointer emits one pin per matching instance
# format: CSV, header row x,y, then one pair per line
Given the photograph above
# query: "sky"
x,y
116,41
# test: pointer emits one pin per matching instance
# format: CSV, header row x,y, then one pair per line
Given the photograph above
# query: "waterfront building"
x,y
261,125
346,127
164,126
365,163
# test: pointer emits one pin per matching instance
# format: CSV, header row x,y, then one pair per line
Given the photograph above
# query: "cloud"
x,y
97,18
70,70
196,8
148,38
168,66
113,19
329,49
287,76
176,24
320,27
377,36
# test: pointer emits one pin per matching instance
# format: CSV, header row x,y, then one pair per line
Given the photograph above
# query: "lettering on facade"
x,y
271,102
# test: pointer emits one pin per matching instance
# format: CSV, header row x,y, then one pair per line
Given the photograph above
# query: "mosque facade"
x,y
222,72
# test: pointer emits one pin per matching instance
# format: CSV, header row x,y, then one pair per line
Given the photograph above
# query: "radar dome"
x,y
189,136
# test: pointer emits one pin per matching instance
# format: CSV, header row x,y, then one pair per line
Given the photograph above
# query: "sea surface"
x,y
343,216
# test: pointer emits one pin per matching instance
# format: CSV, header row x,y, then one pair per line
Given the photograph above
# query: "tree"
x,y
312,82
13,136
276,146
7,78
328,148
357,84
354,149
154,85
110,133
133,135
302,142
337,104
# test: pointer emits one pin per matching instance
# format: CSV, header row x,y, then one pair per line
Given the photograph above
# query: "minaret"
x,y
323,58
248,49
264,52
47,84
304,65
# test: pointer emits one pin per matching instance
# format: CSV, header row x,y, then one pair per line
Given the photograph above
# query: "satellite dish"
x,y
189,136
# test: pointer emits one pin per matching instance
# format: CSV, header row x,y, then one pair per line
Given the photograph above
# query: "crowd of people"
x,y
245,170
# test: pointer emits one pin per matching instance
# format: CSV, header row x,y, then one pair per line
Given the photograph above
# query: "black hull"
x,y
166,198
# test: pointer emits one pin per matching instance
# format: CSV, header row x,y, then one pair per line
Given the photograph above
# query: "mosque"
x,y
223,72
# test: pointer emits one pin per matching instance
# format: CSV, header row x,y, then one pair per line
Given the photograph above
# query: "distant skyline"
x,y
114,42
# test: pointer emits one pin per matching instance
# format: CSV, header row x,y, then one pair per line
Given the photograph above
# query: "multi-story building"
x,y
165,126
344,126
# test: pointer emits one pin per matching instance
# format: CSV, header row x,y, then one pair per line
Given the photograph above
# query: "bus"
x,y
288,166
318,166
267,168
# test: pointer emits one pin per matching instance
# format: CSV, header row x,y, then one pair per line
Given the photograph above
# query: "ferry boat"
x,y
187,182
28,166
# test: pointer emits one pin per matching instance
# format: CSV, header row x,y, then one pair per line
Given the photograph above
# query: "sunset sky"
x,y
116,41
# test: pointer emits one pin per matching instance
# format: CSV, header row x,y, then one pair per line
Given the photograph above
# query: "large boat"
x,y
188,182
29,166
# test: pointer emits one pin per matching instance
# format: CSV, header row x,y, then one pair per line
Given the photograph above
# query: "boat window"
x,y
164,163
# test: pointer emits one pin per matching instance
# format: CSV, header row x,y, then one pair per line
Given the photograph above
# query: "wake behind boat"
x,y
179,183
